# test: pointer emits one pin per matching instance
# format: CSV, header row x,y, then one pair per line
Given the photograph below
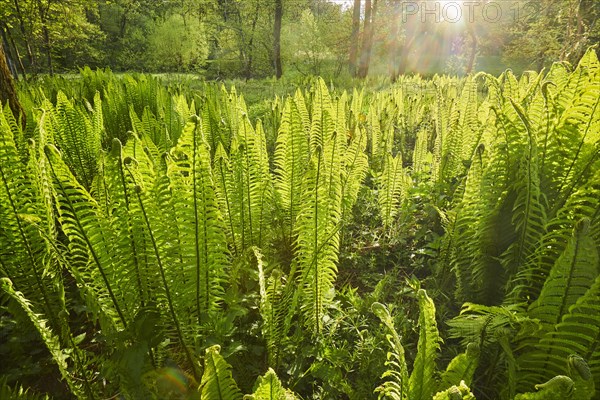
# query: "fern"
x,y
461,368
397,383
217,382
569,279
422,379
394,185
319,218
202,239
291,159
577,332
269,387
91,258
81,391
456,392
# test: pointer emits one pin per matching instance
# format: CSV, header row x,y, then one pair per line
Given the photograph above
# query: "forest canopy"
x,y
233,38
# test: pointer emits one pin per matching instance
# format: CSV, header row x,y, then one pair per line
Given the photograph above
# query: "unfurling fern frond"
x,y
558,388
217,382
456,392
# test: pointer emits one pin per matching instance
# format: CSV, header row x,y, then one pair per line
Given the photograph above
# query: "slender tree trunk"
x,y
8,93
393,60
248,73
30,57
473,54
9,55
46,34
365,56
353,56
277,38
18,55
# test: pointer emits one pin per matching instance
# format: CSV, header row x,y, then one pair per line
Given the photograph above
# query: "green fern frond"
x,y
28,229
422,379
356,164
460,392
217,382
569,279
78,136
461,368
558,388
51,341
577,332
201,229
269,387
290,159
105,284
397,384
394,185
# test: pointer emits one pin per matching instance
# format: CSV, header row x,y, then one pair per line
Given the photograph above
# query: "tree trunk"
x,y
393,60
46,35
473,54
18,55
353,64
30,57
8,92
248,72
9,54
365,56
277,38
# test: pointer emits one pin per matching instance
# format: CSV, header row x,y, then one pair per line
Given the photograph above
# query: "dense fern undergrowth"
x,y
432,239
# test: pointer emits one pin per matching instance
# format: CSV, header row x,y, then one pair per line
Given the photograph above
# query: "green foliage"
x,y
268,387
217,382
143,224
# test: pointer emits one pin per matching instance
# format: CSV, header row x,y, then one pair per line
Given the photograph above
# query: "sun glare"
x,y
451,10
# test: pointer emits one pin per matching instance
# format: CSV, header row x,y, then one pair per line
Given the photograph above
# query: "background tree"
x,y
8,94
353,58
277,38
367,43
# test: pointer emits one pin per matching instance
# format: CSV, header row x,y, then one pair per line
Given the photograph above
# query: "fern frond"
x,y
394,185
217,382
578,332
569,279
51,341
78,137
558,388
291,159
397,386
461,368
422,379
460,392
201,229
269,387
92,262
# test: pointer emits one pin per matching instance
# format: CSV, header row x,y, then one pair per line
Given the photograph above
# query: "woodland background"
x,y
263,38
